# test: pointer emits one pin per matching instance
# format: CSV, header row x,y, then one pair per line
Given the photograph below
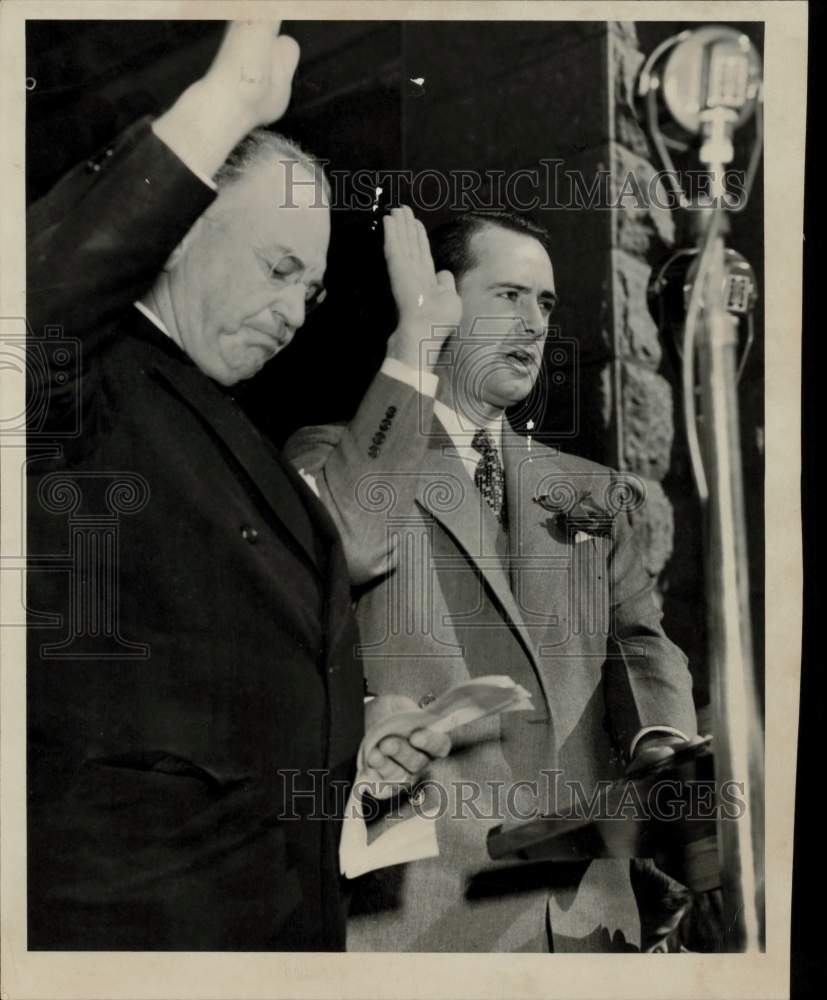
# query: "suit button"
x,y
249,534
426,700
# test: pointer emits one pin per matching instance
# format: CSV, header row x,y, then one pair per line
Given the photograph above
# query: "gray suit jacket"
x,y
443,596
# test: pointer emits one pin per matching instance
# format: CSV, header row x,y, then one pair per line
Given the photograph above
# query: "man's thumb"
x,y
445,280
286,54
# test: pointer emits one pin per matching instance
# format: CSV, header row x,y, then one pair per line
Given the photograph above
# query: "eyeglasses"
x,y
289,270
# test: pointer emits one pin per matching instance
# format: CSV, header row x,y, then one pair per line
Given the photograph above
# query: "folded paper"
x,y
416,838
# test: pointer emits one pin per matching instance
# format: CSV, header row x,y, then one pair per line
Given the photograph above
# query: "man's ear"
x,y
192,234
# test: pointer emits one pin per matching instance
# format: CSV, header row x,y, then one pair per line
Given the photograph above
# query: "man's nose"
x,y
533,321
290,304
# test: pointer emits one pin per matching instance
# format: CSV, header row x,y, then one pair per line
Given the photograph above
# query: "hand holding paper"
x,y
401,724
402,744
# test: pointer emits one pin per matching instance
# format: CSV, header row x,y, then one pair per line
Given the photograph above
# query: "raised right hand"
x,y
252,72
427,302
247,85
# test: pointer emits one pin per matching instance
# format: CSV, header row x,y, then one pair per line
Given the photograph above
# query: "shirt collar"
x,y
462,434
150,315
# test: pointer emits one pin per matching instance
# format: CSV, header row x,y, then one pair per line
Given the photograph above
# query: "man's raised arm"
x,y
97,240
247,85
378,455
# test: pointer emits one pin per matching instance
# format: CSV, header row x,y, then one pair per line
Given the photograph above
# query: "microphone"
x,y
670,287
709,81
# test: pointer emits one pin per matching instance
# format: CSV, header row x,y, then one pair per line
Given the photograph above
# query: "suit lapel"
x,y
279,486
448,494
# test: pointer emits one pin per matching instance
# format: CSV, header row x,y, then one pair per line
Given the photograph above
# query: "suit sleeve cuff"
x,y
665,730
187,157
424,382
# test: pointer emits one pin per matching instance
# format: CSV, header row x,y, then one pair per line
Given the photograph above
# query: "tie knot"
x,y
483,442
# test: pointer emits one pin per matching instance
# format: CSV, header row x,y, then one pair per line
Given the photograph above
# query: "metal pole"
x,y
738,738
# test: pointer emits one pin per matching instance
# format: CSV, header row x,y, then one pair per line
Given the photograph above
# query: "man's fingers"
x,y
286,53
395,760
431,743
377,786
409,228
391,238
409,239
401,247
426,259
398,759
375,758
404,754
247,37
252,72
391,771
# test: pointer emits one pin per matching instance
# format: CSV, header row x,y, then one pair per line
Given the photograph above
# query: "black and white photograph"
x,y
400,591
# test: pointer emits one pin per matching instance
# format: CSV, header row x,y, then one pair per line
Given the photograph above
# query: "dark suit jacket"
x,y
191,662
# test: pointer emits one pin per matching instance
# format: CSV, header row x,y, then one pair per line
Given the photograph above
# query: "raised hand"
x,y
427,302
247,85
253,71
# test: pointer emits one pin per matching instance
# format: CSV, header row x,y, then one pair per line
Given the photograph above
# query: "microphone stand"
x,y
738,739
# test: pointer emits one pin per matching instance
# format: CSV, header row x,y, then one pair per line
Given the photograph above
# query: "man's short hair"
x,y
262,146
451,241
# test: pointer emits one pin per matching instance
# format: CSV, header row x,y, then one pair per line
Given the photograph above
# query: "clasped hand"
x,y
398,759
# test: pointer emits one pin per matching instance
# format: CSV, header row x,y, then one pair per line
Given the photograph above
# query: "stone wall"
x,y
641,229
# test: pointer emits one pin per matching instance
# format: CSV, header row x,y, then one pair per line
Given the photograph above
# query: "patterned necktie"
x,y
489,477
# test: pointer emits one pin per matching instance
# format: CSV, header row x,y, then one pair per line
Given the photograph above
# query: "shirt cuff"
x,y
666,730
188,163
424,382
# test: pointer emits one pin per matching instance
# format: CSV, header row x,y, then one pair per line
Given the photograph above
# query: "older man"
x,y
459,574
195,702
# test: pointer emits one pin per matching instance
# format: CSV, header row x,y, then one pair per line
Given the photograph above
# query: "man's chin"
x,y
511,393
249,364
